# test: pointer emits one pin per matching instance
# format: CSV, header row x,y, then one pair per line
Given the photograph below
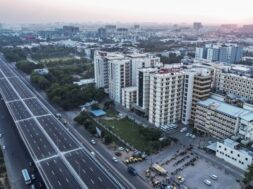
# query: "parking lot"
x,y
195,175
193,170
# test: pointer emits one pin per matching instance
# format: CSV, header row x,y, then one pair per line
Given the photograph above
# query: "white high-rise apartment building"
x,y
165,102
119,77
143,86
142,61
101,63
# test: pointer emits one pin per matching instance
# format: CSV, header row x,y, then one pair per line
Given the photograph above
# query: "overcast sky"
x,y
169,11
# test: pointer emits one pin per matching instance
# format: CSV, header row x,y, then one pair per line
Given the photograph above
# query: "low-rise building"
x,y
231,152
219,119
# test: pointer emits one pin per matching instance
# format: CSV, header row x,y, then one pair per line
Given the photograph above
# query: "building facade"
x,y
142,61
197,86
119,77
165,102
227,53
235,84
231,152
217,118
129,96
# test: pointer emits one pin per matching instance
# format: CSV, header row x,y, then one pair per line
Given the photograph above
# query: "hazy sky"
x,y
169,11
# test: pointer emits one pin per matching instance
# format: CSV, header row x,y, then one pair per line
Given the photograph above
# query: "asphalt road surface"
x,y
84,136
51,150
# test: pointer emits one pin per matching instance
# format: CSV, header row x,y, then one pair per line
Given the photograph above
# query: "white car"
x,y
4,147
93,141
92,153
115,159
183,129
193,136
214,177
120,148
207,182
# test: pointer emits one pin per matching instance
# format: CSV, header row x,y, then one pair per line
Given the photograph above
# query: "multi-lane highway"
x,y
61,158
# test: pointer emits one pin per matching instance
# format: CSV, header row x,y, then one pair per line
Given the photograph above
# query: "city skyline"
x,y
160,11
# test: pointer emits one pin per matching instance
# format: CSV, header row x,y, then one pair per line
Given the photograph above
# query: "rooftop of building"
x,y
236,145
226,108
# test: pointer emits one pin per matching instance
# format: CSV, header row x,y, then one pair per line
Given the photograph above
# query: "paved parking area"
x,y
195,175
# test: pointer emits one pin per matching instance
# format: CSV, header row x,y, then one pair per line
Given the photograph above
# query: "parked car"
x,y
120,148
117,153
180,179
115,159
93,141
214,177
207,182
183,129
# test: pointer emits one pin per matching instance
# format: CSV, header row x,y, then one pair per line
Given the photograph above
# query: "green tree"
x,y
248,176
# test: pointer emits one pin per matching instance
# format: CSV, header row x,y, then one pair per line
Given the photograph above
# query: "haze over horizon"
x,y
160,11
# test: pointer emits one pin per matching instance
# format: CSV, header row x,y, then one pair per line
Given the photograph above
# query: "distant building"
x,y
136,27
70,30
201,52
101,32
197,25
233,153
247,28
227,53
129,95
110,28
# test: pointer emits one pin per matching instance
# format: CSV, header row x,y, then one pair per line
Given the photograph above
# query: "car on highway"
x,y
93,141
4,147
92,153
115,159
132,171
207,182
214,177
